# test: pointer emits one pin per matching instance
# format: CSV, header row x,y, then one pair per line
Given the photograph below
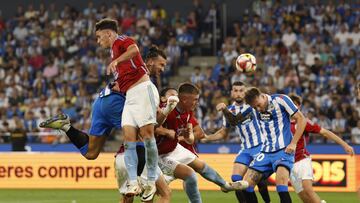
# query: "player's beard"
x,y
239,101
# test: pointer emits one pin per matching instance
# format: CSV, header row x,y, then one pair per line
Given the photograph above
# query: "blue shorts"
x,y
267,163
106,114
246,156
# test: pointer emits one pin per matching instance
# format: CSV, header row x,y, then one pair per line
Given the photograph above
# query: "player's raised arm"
x,y
301,123
330,135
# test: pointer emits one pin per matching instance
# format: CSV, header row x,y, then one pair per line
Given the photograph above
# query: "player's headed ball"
x,y
246,63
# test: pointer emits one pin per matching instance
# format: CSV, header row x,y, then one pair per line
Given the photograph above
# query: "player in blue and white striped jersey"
x,y
244,118
277,153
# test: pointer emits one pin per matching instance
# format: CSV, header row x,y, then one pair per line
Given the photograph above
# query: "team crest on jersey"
x,y
266,116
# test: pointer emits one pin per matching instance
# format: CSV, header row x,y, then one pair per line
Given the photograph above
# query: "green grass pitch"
x,y
109,196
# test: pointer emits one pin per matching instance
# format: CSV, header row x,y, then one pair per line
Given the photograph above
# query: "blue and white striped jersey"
x,y
249,130
275,122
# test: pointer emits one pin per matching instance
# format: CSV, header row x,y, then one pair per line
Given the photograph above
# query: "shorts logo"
x,y
260,157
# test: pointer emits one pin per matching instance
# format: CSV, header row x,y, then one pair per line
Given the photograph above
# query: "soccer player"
x,y
277,152
301,176
182,121
142,100
178,170
249,133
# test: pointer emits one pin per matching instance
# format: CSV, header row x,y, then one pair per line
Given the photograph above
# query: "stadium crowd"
x,y
49,60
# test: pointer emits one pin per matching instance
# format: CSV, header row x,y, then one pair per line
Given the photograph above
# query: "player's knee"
x,y
147,132
91,155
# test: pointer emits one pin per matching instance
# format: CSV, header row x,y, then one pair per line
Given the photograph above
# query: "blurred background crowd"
x,y
50,62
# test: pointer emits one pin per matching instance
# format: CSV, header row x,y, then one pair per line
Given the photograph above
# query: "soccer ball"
x,y
246,63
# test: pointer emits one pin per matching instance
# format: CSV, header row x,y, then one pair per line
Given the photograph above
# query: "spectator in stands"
x,y
355,133
18,136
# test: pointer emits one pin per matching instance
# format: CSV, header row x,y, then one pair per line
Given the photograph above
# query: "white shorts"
x,y
141,105
168,162
302,170
122,175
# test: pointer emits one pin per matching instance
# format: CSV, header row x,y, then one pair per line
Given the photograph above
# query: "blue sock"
x,y
151,157
283,193
131,160
211,175
235,178
192,189
84,149
282,188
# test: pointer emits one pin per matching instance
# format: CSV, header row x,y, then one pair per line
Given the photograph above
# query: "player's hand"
x,y
220,106
170,105
111,67
290,149
172,101
115,86
184,132
205,139
348,149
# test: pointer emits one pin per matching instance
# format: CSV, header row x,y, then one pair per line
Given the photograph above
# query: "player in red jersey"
x,y
302,173
178,170
142,100
182,121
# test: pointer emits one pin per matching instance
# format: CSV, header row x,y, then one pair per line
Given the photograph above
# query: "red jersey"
x,y
301,151
129,71
175,121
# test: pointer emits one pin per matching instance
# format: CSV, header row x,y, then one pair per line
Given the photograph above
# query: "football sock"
x,y
283,193
191,189
140,150
211,175
240,196
131,160
151,156
79,139
250,195
262,185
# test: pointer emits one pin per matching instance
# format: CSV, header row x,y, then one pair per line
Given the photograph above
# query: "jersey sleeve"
x,y
127,42
225,124
312,127
287,103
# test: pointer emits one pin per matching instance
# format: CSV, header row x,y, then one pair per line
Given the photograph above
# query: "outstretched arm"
x,y
222,133
301,124
232,119
330,135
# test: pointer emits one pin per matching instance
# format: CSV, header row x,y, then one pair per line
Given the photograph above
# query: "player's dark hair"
x,y
155,52
296,98
251,94
107,23
165,90
188,88
238,83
